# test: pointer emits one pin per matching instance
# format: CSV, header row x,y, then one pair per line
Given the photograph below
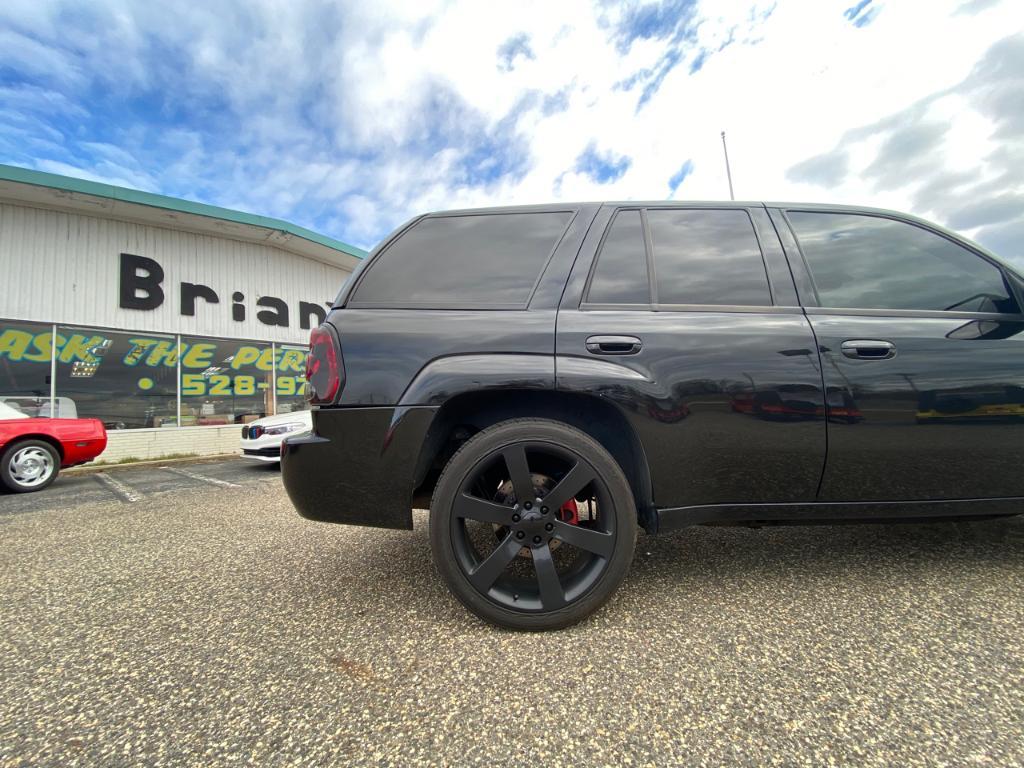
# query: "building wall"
x,y
65,333
65,268
146,444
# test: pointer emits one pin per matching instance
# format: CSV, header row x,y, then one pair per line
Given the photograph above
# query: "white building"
x,y
172,322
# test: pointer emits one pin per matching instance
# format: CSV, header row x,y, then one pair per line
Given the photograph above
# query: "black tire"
x,y
19,460
466,518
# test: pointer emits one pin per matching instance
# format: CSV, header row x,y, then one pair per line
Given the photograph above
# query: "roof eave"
x,y
30,186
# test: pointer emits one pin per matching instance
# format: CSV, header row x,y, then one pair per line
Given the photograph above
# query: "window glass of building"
x,y
25,367
126,380
291,378
621,273
870,262
225,381
707,257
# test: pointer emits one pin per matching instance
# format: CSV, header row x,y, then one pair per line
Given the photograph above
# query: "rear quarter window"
x,y
466,261
621,273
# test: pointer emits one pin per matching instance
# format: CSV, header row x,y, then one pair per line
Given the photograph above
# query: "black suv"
x,y
548,379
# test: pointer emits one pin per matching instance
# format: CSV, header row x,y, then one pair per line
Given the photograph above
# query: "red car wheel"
x,y
29,465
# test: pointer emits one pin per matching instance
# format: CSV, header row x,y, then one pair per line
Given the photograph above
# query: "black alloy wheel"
x,y
533,524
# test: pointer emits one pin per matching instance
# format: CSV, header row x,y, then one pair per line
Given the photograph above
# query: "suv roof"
x,y
569,206
565,206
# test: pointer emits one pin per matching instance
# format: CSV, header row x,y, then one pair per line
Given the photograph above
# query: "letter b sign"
x,y
140,282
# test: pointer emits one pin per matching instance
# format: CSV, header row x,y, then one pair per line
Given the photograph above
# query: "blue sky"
x,y
348,118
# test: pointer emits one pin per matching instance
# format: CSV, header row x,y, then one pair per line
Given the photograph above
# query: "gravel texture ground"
x,y
207,624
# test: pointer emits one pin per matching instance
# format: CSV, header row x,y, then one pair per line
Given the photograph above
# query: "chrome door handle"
x,y
869,349
613,345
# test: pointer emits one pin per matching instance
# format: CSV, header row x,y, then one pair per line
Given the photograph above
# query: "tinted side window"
x,y
621,274
869,262
452,261
707,257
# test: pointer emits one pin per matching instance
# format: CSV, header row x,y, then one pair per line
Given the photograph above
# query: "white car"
x,y
39,407
261,439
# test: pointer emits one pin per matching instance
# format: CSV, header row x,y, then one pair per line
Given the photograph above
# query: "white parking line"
x,y
122,490
201,478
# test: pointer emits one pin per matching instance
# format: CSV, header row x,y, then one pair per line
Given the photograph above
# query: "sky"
x,y
351,117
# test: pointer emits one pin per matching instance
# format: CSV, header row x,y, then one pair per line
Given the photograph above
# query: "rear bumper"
x,y
80,451
358,466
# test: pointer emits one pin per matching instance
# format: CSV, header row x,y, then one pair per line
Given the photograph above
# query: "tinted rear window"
x,y
707,257
464,261
621,274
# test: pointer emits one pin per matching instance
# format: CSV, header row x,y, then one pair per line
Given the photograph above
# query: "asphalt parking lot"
x,y
176,620
137,484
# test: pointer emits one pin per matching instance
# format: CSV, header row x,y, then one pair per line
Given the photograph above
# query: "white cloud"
x,y
360,115
786,89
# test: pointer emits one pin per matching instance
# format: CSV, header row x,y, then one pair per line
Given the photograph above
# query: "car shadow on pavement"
x,y
823,553
262,467
725,559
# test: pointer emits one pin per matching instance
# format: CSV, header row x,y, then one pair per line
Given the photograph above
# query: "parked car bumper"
x,y
80,451
266,448
270,455
359,466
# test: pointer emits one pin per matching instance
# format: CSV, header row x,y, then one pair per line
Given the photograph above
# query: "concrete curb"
x,y
88,469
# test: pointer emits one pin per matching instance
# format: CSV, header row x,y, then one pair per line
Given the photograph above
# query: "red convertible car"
x,y
33,450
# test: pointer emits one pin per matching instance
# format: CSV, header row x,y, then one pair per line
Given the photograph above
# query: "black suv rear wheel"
x,y
533,524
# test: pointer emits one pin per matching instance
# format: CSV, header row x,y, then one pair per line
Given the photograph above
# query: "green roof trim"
x,y
109,191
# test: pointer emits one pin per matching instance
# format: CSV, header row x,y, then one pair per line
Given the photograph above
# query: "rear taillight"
x,y
323,368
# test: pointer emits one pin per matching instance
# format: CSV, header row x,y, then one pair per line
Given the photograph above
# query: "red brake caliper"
x,y
569,513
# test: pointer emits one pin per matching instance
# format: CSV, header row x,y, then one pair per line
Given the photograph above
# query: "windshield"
x,y
10,412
